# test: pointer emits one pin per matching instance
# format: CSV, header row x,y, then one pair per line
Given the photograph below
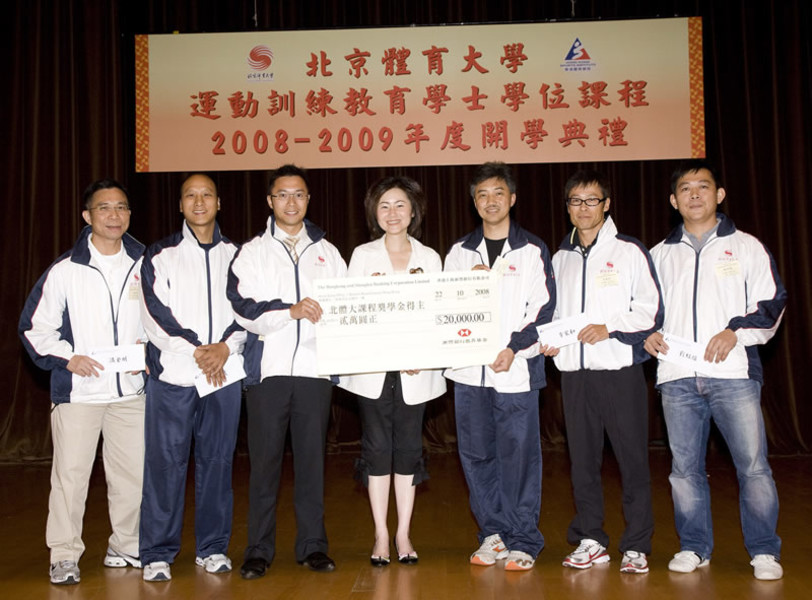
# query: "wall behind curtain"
x,y
67,119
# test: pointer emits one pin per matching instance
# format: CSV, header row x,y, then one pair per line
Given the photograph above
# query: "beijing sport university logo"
x,y
259,60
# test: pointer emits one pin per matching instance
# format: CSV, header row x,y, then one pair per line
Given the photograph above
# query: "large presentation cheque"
x,y
395,323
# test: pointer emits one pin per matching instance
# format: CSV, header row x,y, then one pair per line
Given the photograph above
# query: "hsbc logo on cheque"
x,y
464,332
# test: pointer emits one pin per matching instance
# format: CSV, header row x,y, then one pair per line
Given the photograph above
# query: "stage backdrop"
x,y
458,94
69,115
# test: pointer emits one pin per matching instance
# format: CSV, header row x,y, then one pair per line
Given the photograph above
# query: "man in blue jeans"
x,y
721,290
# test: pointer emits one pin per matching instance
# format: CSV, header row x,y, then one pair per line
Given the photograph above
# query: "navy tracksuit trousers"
x,y
499,442
174,416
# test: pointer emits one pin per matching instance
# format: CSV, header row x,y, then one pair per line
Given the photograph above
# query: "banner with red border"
x,y
455,94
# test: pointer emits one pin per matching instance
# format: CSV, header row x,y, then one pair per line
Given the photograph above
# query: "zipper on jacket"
x,y
114,317
583,297
298,299
298,321
115,322
208,291
696,286
114,314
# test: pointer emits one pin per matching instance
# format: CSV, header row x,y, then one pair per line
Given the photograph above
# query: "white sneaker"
x,y
766,567
157,571
64,572
214,563
491,550
589,552
687,561
519,561
119,559
634,562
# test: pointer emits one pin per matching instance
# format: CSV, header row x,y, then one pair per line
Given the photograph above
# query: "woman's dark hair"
x,y
413,192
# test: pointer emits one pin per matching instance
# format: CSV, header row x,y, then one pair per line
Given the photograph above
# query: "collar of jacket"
x,y
726,227
516,237
81,253
607,231
216,237
313,232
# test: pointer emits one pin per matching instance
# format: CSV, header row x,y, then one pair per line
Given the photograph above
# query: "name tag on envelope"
x,y
121,359
562,332
691,355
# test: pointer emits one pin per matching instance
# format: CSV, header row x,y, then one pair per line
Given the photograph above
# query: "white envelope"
x,y
234,372
690,355
121,359
562,332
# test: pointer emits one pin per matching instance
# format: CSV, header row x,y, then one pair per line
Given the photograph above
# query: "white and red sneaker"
x,y
588,553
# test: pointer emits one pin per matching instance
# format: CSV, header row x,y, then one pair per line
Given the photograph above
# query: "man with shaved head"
x,y
191,391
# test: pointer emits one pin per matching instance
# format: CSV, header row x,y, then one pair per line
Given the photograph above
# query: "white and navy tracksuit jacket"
x,y
185,304
614,284
528,299
731,283
263,284
72,310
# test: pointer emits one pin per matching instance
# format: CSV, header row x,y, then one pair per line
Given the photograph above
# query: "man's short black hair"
x,y
586,177
102,184
692,166
490,170
287,171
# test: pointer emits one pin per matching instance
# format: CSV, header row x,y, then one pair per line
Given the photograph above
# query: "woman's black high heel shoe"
x,y
406,559
379,561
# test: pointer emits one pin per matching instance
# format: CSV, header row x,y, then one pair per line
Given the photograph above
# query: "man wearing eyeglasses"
x,y
270,286
194,343
610,278
87,303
